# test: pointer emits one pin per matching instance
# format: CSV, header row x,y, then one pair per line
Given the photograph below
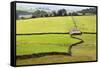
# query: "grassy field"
x,y
56,24
82,52
43,43
31,44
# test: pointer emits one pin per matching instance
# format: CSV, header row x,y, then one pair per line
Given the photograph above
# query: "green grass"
x,y
56,24
30,44
86,23
43,43
49,24
82,52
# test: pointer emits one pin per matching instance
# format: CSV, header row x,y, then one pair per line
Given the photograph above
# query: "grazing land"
x,y
34,44
56,24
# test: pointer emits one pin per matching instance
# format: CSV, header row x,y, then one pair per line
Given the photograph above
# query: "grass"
x,y
82,52
30,44
50,24
43,43
55,24
86,23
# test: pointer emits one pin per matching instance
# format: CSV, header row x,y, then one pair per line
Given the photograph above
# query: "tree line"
x,y
61,12
42,13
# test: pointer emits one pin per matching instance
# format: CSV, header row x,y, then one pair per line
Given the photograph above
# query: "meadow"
x,y
43,43
56,24
32,44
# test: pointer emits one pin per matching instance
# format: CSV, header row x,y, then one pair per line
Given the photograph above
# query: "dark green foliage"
x,y
54,13
62,12
90,11
74,14
39,13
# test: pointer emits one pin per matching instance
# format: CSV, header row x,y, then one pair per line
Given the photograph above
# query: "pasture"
x,y
33,44
56,24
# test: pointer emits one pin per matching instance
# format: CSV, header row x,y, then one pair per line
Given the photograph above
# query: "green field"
x,y
82,52
32,44
56,24
43,43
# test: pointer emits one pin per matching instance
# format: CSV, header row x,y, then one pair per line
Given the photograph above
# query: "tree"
x,y
43,13
62,12
88,10
39,13
74,14
54,13
69,14
36,13
83,13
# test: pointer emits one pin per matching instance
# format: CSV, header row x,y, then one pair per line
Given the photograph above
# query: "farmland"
x,y
33,44
36,44
56,24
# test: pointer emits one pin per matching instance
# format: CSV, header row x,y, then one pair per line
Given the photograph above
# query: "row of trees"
x,y
90,10
38,13
60,12
63,12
